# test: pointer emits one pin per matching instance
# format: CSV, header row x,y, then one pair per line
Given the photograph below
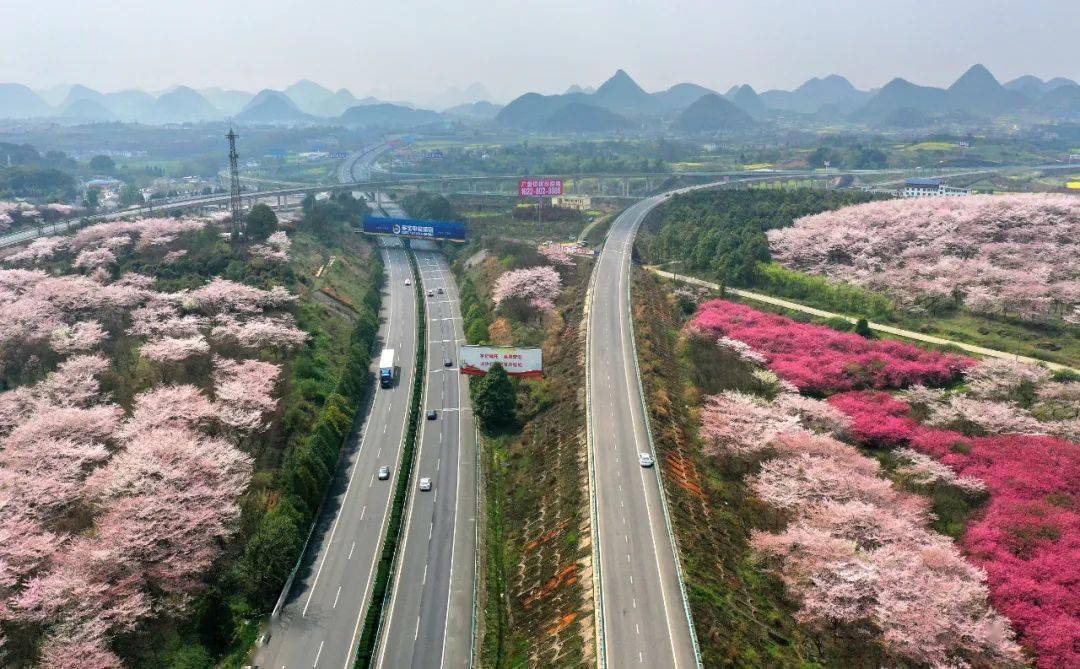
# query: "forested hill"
x,y
721,234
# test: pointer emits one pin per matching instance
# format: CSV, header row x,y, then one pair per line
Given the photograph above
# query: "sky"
x,y
407,49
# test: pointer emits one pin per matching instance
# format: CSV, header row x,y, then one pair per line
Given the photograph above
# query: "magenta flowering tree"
x,y
1011,255
820,360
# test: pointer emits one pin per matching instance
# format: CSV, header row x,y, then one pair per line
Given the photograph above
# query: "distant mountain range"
x,y
619,103
976,94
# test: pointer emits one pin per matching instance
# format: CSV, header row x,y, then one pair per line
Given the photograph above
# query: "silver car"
x,y
645,459
425,484
384,473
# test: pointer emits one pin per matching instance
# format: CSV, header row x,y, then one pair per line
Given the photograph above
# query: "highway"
x,y
643,619
429,620
320,622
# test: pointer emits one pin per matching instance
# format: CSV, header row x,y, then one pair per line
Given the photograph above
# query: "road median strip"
x,y
391,542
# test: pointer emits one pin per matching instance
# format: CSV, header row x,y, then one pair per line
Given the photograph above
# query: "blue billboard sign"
x,y
405,227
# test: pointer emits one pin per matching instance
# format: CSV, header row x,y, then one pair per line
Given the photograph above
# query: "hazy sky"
x,y
412,49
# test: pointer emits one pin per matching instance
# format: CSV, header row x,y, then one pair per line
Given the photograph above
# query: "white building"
x,y
933,187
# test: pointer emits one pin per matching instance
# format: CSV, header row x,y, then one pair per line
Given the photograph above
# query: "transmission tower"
x,y
234,187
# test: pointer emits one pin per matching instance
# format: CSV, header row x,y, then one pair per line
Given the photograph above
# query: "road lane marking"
x,y
318,654
362,511
635,406
336,595
351,549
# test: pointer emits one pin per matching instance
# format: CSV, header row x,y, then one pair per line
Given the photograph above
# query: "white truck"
x,y
386,368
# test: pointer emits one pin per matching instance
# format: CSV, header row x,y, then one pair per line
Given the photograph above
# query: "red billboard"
x,y
539,187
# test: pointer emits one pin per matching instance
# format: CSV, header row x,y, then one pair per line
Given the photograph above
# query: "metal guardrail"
x,y
598,595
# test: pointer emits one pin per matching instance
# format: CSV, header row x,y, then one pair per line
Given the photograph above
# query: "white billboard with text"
x,y
477,360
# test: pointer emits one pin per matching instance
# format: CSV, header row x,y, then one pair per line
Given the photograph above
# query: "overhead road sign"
x,y
540,187
477,360
406,227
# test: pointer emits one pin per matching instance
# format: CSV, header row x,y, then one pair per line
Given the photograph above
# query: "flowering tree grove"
x,y
1010,255
818,359
116,494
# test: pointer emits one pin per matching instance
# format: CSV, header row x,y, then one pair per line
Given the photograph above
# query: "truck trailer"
x,y
386,368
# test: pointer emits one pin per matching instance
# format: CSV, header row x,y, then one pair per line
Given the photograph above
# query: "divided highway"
x,y
428,623
643,620
320,622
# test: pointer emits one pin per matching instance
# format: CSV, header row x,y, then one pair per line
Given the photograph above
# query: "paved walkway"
x,y
887,329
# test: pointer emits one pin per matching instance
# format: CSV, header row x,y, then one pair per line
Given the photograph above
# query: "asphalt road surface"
x,y
319,625
644,622
429,621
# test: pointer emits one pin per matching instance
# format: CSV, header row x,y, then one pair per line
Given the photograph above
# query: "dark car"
x,y
432,415
448,362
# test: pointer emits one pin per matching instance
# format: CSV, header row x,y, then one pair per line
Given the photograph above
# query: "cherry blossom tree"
x,y
259,332
173,406
80,337
533,283
1012,255
89,259
175,349
242,392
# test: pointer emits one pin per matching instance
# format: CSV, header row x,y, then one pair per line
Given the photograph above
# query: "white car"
x,y
645,459
408,282
425,484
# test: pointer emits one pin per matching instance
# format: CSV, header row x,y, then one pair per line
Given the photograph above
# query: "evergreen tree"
x,y
261,222
494,399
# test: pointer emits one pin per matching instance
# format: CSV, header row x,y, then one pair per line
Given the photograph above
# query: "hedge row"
x,y
374,614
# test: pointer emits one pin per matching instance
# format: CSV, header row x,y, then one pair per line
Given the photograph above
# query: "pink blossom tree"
x,y
533,283
243,392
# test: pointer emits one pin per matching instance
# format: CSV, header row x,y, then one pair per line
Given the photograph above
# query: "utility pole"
x,y
235,205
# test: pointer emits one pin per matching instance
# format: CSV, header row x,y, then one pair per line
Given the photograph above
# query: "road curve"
x,y
428,623
643,622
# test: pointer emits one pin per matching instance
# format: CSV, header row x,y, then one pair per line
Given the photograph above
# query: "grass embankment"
x,y
740,614
324,385
536,608
392,541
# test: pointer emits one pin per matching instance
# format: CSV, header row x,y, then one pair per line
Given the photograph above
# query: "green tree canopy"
x,y
102,165
261,222
494,399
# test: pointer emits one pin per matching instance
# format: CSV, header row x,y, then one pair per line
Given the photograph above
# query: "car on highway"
x,y
439,290
432,414
384,473
408,282
645,459
430,294
425,484
448,362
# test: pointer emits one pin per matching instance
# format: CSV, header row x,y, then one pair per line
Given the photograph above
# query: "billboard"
x,y
539,187
405,227
477,360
